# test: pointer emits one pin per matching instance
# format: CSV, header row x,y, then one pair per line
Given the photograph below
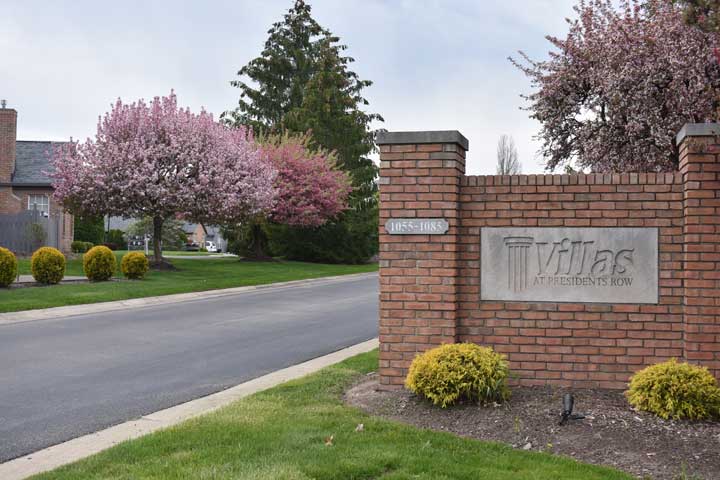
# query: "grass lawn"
x,y
280,434
191,276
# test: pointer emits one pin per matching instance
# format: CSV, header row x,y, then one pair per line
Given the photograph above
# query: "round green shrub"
x,y
47,265
460,371
134,265
8,267
99,264
675,390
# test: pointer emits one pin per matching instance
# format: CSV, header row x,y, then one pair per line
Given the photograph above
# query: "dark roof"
x,y
32,159
189,227
120,223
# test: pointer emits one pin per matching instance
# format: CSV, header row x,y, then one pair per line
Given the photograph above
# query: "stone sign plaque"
x,y
584,265
416,226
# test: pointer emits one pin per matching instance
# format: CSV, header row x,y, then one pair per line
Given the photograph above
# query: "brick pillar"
x,y
420,176
700,166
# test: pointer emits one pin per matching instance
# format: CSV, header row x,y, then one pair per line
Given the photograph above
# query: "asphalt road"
x,y
67,377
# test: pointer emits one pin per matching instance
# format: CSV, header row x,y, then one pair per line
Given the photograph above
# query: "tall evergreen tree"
x,y
281,72
302,82
89,229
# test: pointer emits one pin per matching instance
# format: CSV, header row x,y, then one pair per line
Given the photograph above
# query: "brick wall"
x,y
700,168
8,136
8,128
430,284
9,201
15,199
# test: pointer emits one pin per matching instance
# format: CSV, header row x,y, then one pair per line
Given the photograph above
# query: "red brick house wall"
x,y
14,196
8,136
8,127
430,284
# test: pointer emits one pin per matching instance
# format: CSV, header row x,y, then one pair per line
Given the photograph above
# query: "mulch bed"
x,y
612,434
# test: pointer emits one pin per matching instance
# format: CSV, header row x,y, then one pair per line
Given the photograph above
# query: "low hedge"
x,y
99,264
461,371
134,265
47,265
8,267
675,390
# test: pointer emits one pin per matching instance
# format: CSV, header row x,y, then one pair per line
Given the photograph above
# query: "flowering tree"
x,y
703,13
162,161
310,190
621,85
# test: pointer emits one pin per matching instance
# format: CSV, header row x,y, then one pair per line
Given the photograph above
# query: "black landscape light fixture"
x,y
567,414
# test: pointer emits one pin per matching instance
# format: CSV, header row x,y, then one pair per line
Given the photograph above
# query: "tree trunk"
x,y
157,240
255,243
258,241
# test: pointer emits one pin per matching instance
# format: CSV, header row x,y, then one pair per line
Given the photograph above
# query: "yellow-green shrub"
x,y
99,264
8,267
460,371
47,265
675,390
134,265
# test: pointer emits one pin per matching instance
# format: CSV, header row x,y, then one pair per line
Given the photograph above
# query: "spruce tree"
x,y
301,82
89,229
281,72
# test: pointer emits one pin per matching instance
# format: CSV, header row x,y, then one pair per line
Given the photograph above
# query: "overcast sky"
x,y
436,64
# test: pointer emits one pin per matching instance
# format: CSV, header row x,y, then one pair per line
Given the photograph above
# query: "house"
x,y
215,235
195,232
24,185
199,233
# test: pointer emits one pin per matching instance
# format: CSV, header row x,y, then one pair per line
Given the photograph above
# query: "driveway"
x,y
70,376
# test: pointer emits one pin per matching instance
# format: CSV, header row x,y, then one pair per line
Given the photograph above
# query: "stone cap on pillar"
x,y
415,138
697,130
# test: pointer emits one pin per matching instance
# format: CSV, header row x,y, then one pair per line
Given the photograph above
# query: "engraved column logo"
x,y
604,265
565,262
518,250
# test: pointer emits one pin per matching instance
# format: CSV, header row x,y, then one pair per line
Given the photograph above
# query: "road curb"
x,y
81,447
71,310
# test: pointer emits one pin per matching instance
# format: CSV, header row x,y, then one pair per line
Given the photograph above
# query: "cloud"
x,y
435,64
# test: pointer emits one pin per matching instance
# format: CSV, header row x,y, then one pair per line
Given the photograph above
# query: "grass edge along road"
x,y
301,430
192,275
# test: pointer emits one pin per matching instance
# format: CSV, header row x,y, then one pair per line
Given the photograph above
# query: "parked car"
x,y
211,247
191,247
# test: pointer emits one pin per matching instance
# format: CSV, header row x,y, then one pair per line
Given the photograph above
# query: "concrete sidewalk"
x,y
66,279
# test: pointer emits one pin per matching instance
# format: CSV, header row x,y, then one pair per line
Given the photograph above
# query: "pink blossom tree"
x,y
617,89
310,190
161,161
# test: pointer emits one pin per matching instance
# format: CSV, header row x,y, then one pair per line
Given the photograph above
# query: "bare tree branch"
x,y
507,157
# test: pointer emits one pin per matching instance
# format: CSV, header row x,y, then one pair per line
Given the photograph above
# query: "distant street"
x,y
67,377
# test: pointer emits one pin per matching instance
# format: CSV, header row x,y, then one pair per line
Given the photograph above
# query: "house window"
x,y
41,203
